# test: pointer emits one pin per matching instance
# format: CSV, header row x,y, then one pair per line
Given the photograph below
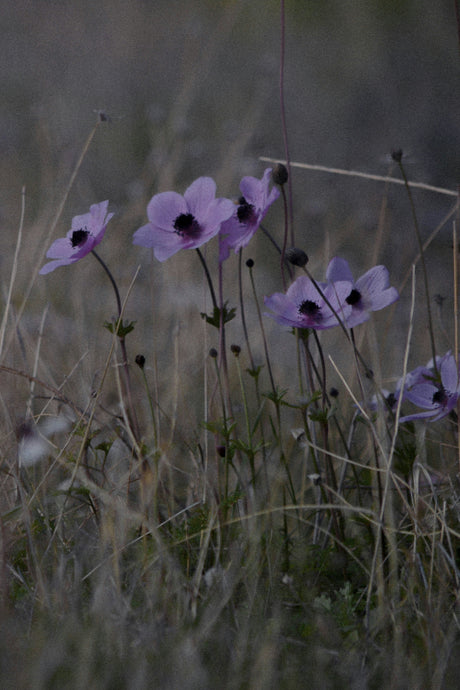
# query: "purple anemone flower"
x,y
369,293
183,222
304,307
252,206
436,392
86,232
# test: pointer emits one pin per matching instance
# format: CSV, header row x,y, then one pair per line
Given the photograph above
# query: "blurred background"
x,y
192,88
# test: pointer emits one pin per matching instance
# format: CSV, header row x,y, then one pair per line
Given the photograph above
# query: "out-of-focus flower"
x,y
436,391
33,444
252,206
183,222
304,307
86,232
369,293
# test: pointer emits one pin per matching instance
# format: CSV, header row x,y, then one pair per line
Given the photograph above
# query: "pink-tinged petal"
x,y
144,236
98,218
164,208
338,269
254,191
93,224
273,196
218,211
79,223
164,243
302,289
304,306
199,195
60,249
51,265
285,311
167,249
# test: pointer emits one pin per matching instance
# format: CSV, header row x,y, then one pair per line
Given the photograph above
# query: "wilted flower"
x,y
86,232
369,293
183,222
436,391
304,307
248,215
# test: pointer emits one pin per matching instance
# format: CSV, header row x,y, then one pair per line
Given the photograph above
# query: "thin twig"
x,y
365,176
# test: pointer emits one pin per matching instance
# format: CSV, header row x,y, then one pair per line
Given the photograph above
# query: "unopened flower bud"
x,y
279,174
334,392
221,451
249,263
397,155
236,349
296,256
213,353
140,361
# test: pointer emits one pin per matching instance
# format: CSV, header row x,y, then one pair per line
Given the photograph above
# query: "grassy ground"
x,y
208,525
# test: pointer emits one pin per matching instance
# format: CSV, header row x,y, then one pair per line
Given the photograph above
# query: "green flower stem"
x,y
130,407
208,278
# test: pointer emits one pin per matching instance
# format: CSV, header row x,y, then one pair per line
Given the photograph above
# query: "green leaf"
x,y
122,329
214,318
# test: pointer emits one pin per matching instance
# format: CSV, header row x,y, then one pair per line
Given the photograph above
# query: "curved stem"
x,y
131,412
208,278
111,278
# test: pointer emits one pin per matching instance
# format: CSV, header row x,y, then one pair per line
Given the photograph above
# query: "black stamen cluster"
x,y
186,224
79,237
440,396
353,297
309,308
245,210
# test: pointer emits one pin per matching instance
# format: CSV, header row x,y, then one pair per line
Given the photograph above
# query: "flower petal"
x,y
164,208
199,195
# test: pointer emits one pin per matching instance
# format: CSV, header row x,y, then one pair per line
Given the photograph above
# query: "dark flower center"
x,y
391,400
353,297
79,237
310,308
186,225
245,210
440,397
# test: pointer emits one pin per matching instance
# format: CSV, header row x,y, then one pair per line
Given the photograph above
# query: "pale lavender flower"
x,y
252,207
304,307
437,392
369,293
86,232
183,222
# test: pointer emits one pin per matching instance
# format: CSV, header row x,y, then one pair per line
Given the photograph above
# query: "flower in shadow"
x,y
369,293
304,306
436,391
